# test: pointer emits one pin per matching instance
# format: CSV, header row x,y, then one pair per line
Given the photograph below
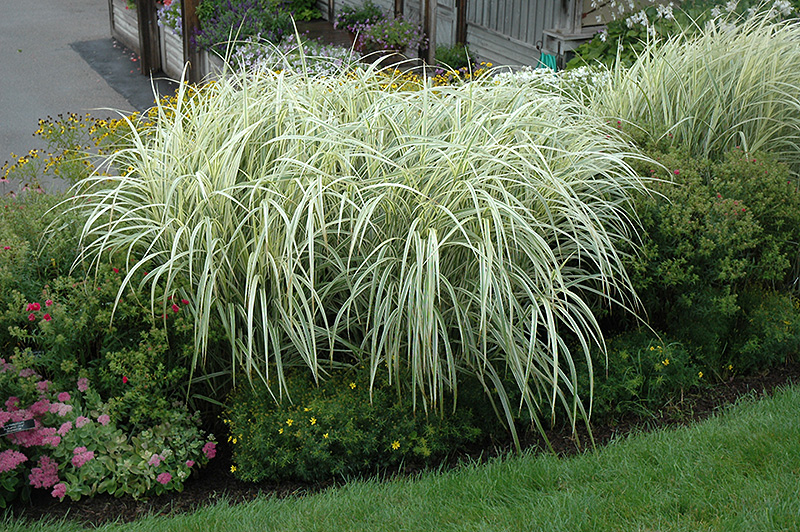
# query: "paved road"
x,y
52,53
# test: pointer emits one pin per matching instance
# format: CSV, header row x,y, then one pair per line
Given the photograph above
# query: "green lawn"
x,y
737,471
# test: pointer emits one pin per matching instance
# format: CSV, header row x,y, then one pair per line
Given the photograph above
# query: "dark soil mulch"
x,y
216,483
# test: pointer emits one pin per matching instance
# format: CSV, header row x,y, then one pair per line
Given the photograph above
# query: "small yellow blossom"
x,y
395,445
352,386
280,430
306,409
313,421
233,469
700,375
325,435
665,362
730,367
289,421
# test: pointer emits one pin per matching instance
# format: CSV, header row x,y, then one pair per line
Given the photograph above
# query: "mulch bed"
x,y
216,483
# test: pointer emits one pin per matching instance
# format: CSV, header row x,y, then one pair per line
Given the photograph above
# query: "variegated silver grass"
x,y
429,234
723,86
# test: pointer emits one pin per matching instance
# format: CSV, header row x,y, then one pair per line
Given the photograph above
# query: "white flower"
x,y
598,18
604,35
730,7
715,12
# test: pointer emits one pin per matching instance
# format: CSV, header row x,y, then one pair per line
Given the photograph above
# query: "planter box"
x,y
124,24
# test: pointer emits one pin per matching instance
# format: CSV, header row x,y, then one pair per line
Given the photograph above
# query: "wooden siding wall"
x,y
124,25
506,32
509,31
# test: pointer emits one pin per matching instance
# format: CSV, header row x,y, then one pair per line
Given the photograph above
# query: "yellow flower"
x,y
313,420
280,430
352,386
306,409
652,348
234,441
730,367
700,375
325,435
289,421
665,362
395,445
233,469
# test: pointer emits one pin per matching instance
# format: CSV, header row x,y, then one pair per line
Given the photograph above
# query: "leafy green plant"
x,y
454,57
302,9
342,428
722,231
223,22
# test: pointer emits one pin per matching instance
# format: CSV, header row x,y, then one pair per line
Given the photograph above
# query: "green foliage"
x,y
302,9
643,374
342,427
454,57
223,22
722,231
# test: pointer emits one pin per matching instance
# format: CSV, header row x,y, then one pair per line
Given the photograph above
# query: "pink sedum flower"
x,y
59,490
155,460
83,384
104,419
64,397
64,428
46,475
190,463
82,421
164,478
81,456
210,450
10,459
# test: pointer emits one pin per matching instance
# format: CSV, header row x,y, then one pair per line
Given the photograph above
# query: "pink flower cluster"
x,y
10,459
210,450
81,456
164,478
46,475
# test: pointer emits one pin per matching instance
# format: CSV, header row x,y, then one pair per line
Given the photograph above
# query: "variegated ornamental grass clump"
x,y
728,85
429,234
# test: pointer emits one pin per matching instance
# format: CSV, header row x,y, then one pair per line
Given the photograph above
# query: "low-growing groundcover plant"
x,y
434,236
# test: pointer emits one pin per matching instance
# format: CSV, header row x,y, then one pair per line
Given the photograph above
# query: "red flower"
x,y
185,301
34,306
175,308
124,379
116,270
48,303
47,317
32,317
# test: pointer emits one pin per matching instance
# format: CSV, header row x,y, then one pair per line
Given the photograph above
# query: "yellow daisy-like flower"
x,y
730,367
280,430
289,421
306,409
700,375
313,421
233,469
325,435
352,386
395,445
665,362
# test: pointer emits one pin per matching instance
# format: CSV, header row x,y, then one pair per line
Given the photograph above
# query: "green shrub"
x,y
454,57
721,231
351,17
342,427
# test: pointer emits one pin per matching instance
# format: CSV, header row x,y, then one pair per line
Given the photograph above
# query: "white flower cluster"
x,y
319,59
